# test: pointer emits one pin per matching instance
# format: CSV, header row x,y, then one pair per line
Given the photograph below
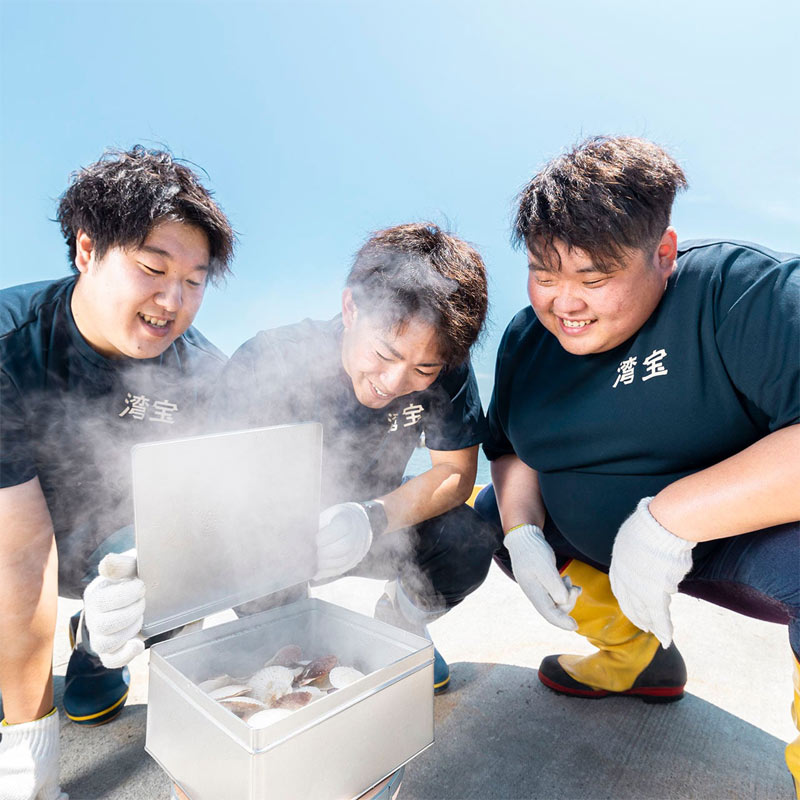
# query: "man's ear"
x,y
667,253
84,251
349,309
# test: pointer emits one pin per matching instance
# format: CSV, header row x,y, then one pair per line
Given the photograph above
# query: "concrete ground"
x,y
501,734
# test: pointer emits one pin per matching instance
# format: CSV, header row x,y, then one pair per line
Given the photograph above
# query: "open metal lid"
x,y
224,519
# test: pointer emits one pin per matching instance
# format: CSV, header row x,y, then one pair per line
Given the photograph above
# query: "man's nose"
x,y
393,378
170,298
567,302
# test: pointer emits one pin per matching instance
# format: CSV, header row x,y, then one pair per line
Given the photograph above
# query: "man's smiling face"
x,y
591,311
385,364
136,302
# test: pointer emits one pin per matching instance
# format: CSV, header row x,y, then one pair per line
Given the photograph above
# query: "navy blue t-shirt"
x,y
70,415
295,374
714,369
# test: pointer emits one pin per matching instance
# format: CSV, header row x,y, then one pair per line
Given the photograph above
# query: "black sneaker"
x,y
93,694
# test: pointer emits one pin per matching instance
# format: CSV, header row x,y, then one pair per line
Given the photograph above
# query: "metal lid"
x,y
224,519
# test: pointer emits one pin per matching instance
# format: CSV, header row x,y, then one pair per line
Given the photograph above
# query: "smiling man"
x,y
644,423
392,367
91,364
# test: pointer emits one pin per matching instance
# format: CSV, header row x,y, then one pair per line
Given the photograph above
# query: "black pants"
x,y
438,562
756,574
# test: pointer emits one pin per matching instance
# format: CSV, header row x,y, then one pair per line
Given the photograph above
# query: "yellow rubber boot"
x,y
629,661
793,748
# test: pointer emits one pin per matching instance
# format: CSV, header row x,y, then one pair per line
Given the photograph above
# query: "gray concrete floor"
x,y
501,734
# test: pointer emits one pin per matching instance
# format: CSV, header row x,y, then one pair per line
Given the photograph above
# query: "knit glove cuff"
x,y
647,565
29,760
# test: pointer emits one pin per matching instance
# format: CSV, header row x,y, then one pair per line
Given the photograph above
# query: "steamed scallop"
x,y
294,700
216,683
315,692
270,683
339,677
231,690
287,656
317,671
243,707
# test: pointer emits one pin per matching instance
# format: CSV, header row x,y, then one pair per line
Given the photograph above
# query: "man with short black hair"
x,y
643,425
89,365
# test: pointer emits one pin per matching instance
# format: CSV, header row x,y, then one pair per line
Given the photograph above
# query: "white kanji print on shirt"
x,y
655,368
135,405
413,414
162,411
625,372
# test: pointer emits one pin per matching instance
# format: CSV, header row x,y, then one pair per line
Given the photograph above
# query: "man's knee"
x,y
455,551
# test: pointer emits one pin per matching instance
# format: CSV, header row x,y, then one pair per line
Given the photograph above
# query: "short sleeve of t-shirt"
x,y
758,329
458,421
17,460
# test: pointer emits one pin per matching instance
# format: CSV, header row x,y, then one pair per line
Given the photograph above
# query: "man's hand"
x,y
344,538
647,564
114,610
29,760
534,565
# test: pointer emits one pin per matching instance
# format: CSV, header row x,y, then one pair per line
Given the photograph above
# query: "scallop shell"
x,y
232,690
270,683
268,716
340,677
317,670
294,700
287,656
216,683
243,707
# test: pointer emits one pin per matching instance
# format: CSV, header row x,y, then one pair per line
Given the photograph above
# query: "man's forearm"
x,y
29,603
516,488
754,489
446,485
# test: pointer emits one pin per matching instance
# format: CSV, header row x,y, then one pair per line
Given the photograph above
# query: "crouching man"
x,y
90,364
644,423
392,366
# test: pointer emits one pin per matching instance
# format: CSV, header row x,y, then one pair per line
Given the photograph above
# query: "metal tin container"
x,y
338,746
199,552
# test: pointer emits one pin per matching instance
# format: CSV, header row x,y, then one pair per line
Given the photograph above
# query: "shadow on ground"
x,y
501,734
109,761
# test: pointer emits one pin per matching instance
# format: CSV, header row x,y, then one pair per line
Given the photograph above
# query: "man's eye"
x,y
425,374
381,356
194,283
543,281
150,269
598,282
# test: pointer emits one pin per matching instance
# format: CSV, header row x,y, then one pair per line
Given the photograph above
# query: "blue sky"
x,y
318,122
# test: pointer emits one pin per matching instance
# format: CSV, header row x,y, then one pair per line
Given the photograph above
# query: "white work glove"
x,y
29,760
533,563
114,610
647,564
344,538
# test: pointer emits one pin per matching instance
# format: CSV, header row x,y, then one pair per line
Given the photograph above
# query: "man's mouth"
x,y
378,392
155,322
575,325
